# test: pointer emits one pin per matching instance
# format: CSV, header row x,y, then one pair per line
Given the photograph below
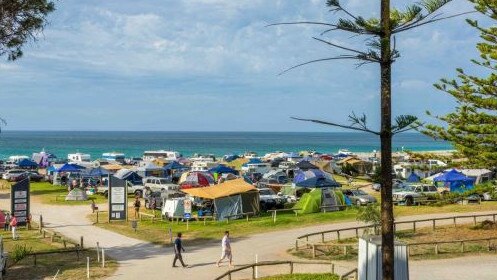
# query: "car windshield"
x,y
409,188
163,181
359,192
265,192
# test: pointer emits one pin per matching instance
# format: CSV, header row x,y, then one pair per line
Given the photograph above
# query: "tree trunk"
x,y
386,145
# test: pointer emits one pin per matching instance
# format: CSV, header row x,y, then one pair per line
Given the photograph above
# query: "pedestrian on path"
x,y
7,222
226,249
137,205
178,248
13,225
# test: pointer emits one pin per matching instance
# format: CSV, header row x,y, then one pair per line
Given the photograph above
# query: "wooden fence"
x,y
291,265
337,232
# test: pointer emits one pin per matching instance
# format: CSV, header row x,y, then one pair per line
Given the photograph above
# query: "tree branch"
x,y
325,59
337,125
398,30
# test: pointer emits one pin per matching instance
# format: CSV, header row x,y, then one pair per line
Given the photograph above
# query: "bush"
x,y
370,215
19,252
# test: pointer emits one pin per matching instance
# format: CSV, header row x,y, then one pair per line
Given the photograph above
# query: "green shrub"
x,y
19,252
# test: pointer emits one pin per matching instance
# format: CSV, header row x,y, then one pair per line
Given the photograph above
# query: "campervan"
x,y
118,157
161,154
78,157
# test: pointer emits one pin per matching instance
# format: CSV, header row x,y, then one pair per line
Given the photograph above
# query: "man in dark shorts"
x,y
178,247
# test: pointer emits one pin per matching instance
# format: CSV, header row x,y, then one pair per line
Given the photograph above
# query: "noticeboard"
x,y
19,197
118,199
187,205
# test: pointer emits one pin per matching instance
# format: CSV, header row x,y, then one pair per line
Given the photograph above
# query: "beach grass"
x,y
69,265
55,195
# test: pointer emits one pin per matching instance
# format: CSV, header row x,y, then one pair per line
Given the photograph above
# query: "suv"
x,y
14,175
269,200
414,194
157,184
137,190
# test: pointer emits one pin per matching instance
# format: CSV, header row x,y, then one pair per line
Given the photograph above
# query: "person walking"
x,y
178,247
137,205
13,225
226,249
7,222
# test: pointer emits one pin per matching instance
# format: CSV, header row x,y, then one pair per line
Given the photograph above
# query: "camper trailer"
x,y
161,154
118,157
78,157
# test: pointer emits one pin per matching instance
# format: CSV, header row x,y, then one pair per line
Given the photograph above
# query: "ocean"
x,y
134,143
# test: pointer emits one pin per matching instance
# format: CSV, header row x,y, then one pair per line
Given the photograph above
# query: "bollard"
x,y
103,257
40,223
414,226
81,242
256,268
98,252
88,267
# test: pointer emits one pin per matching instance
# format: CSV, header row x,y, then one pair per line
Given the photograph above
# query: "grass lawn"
x,y
67,264
306,276
50,194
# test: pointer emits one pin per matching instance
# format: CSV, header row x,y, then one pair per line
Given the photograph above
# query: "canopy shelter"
x,y
222,169
252,161
455,181
27,164
112,168
231,199
70,167
96,172
150,169
413,178
306,165
275,173
174,165
195,179
314,178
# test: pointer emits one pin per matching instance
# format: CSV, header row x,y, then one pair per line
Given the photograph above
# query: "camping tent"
x,y
413,178
174,165
150,169
318,199
195,179
306,165
68,167
96,172
129,175
314,178
76,194
455,181
231,198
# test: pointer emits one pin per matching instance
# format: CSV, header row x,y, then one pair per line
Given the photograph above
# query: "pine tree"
x,y
380,49
472,127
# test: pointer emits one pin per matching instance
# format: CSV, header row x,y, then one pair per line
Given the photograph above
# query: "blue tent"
x,y
455,181
27,163
230,158
222,169
252,161
97,172
413,178
70,168
314,178
174,165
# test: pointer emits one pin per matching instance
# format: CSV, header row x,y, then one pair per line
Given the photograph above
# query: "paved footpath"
x,y
140,259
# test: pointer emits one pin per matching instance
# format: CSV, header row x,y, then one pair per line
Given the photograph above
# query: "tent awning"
x,y
227,188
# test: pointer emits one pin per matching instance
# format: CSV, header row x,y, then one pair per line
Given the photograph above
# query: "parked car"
x,y
414,194
270,200
137,190
359,197
34,176
14,175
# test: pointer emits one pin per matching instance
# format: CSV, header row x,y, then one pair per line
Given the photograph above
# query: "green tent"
x,y
311,202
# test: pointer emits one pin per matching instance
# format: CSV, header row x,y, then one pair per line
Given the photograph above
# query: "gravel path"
x,y
139,259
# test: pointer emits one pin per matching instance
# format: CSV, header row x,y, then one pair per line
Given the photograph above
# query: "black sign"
x,y
19,205
118,199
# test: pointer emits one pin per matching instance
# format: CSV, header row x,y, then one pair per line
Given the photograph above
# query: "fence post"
x,y
253,272
344,250
494,217
322,237
98,251
97,216
274,216
489,248
88,267
35,258
436,248
462,246
103,257
332,268
313,251
414,226
81,242
474,218
455,222
356,232
291,267
40,223
338,235
434,224
296,244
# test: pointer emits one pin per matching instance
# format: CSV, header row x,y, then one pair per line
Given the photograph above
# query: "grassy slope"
x,y
50,194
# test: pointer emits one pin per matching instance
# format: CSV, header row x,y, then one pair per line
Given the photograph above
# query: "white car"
x,y
10,175
157,184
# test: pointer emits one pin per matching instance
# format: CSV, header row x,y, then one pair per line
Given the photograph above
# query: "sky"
x,y
213,65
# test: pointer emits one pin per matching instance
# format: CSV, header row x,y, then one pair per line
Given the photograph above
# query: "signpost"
x,y
19,197
187,205
118,199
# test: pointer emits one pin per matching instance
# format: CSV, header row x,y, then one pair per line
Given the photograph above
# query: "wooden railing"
x,y
337,232
253,266
348,274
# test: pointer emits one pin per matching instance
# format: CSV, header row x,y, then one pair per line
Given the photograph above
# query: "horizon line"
x,y
188,131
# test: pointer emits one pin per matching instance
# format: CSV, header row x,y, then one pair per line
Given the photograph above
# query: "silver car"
x,y
359,197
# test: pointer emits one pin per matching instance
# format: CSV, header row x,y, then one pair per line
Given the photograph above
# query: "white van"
x,y
156,184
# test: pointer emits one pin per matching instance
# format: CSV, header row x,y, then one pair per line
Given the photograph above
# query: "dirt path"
x,y
139,259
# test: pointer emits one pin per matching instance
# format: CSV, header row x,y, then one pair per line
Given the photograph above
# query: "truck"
x,y
414,194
